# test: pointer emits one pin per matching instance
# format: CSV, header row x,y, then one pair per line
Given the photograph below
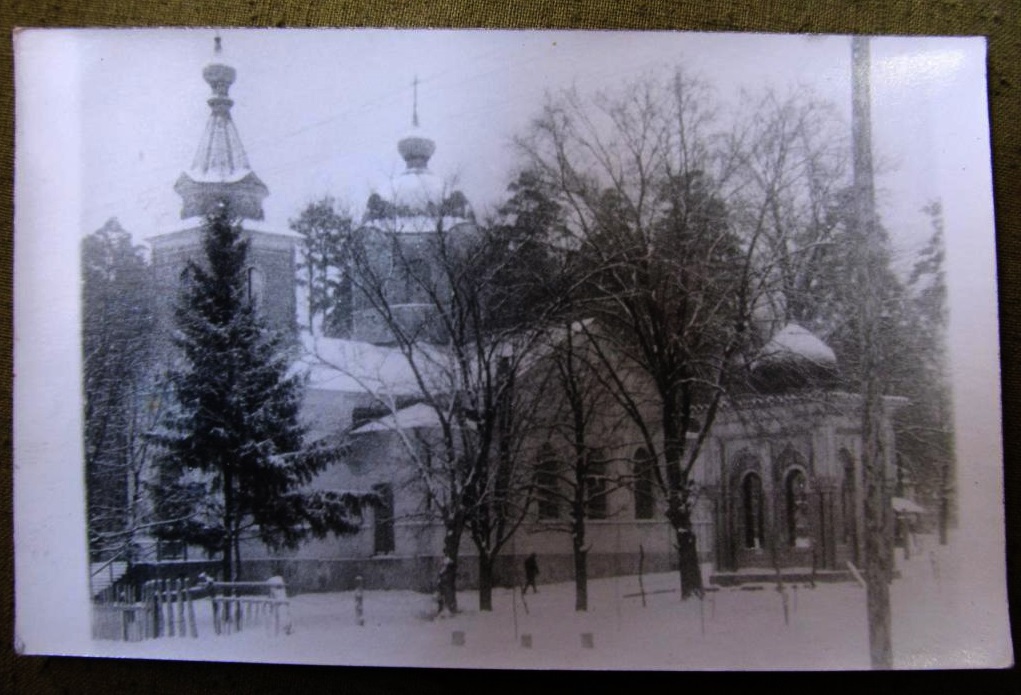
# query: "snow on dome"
x,y
416,189
794,341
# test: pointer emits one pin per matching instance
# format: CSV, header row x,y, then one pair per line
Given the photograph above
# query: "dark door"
x,y
384,519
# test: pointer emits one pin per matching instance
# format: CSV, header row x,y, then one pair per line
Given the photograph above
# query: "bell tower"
x,y
220,174
402,226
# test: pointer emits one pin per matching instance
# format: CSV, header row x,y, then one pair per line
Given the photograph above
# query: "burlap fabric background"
x,y
1000,20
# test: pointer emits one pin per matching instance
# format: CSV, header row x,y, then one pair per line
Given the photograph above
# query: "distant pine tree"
x,y
118,384
235,464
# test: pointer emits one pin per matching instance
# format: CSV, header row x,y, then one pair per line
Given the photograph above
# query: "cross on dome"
x,y
414,103
416,148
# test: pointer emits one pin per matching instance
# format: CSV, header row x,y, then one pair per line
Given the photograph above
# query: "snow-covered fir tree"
x,y
235,463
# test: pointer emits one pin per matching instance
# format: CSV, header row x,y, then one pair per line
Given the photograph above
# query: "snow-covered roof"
x,y
418,415
353,366
794,341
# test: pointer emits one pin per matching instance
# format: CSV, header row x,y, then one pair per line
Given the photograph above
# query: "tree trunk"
x,y
227,567
448,573
687,557
678,510
485,582
228,525
578,511
237,556
679,516
580,578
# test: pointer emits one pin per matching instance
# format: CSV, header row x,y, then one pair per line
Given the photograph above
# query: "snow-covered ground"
x,y
935,625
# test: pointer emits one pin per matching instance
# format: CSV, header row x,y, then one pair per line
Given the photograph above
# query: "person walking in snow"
x,y
531,572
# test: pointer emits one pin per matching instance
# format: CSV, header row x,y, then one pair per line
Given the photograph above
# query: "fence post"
x,y
237,608
193,629
181,631
154,607
168,593
641,571
359,608
514,610
124,616
216,611
150,607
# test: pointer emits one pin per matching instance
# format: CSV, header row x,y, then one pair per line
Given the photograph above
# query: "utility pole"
x,y
873,457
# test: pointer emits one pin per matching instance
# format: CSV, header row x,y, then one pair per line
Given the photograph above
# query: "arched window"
x,y
255,285
546,483
644,485
595,486
751,510
796,505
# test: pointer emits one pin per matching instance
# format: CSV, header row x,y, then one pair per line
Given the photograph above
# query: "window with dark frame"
x,y
644,485
752,512
546,482
796,505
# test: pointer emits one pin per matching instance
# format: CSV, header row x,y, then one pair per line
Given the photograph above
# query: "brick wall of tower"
x,y
273,255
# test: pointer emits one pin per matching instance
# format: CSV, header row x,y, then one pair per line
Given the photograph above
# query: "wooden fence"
x,y
166,608
237,605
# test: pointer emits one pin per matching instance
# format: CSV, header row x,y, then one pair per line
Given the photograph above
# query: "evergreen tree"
x,y
325,258
117,351
234,462
925,430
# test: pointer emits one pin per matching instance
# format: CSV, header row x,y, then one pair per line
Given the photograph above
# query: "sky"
x,y
320,111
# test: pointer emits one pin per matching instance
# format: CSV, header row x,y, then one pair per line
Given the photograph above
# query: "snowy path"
x,y
730,629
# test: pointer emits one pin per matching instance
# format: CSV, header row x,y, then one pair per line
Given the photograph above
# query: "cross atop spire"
x,y
220,171
416,148
414,103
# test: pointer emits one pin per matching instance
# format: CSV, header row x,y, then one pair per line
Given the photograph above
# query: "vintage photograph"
x,y
507,349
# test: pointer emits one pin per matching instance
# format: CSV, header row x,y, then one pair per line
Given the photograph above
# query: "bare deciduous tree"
x,y
469,349
688,226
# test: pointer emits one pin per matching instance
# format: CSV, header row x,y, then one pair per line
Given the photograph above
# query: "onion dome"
x,y
415,148
794,358
415,198
220,171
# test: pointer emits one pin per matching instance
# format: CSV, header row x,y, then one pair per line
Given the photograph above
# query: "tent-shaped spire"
x,y
220,172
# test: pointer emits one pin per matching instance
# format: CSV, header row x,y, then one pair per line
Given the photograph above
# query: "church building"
x,y
780,479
